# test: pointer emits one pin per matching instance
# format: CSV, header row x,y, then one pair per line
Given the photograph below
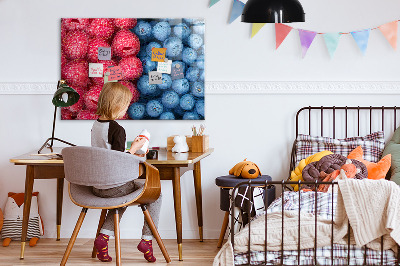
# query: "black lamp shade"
x,y
72,98
273,11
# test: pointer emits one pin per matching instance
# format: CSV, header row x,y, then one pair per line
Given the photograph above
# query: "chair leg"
x,y
73,237
154,230
101,222
223,229
117,239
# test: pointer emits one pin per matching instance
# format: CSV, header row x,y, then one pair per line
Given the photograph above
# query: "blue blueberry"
x,y
136,111
148,65
143,30
200,51
167,116
161,30
182,30
195,41
154,108
191,21
197,89
191,116
200,62
170,99
180,86
192,74
179,111
174,46
144,87
198,28
201,78
189,55
166,82
187,102
199,107
150,46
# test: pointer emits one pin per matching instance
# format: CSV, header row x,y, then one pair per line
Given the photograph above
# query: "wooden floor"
x,y
50,252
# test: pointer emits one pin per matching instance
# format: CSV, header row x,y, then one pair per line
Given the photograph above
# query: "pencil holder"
x,y
200,143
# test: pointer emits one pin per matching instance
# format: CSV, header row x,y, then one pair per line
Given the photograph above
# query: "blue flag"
x,y
237,9
361,37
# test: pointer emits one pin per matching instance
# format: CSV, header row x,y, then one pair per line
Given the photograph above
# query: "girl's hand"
x,y
137,144
143,155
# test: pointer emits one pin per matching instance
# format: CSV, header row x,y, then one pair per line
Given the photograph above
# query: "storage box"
x,y
200,143
171,143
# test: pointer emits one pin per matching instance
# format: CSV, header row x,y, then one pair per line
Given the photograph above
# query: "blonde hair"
x,y
113,97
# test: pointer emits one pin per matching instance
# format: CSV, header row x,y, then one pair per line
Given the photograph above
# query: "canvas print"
x,y
160,60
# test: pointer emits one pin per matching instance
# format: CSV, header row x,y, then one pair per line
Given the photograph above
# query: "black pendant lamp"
x,y
273,11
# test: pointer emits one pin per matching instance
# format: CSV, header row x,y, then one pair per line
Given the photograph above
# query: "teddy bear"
x,y
245,169
13,215
180,144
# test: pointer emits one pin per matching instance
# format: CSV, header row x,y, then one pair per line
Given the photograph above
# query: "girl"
x,y
106,133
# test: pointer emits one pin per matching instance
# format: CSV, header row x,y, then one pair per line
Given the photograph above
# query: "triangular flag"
x,y
281,31
237,9
361,37
256,27
390,32
332,41
213,2
306,39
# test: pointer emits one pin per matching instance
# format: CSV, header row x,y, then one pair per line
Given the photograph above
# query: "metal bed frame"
x,y
283,184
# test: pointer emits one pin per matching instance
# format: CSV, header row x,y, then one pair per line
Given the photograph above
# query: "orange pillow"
x,y
375,170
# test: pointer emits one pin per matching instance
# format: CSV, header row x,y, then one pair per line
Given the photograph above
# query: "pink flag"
x,y
306,39
389,30
281,31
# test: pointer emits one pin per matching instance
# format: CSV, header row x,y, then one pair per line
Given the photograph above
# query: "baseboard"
x,y
247,87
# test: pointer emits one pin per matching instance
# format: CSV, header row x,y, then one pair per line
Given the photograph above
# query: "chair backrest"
x,y
92,166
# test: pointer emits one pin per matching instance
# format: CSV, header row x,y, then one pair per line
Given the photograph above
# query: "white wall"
x,y
258,126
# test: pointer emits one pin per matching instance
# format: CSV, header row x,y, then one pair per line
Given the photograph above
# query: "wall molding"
x,y
248,87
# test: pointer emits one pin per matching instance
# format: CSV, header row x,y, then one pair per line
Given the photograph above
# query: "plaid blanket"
x,y
323,205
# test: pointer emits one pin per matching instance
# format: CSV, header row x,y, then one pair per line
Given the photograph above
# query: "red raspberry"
x,y
125,44
76,73
74,23
75,44
101,27
131,68
125,23
87,115
92,97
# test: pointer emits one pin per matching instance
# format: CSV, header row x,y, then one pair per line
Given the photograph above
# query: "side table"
x,y
228,182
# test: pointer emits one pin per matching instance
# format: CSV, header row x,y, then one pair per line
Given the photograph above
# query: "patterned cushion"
x,y
372,144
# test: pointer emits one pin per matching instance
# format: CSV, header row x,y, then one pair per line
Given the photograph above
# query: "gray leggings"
x,y
154,208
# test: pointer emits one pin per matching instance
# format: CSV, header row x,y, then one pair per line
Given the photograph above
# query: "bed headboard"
x,y
344,121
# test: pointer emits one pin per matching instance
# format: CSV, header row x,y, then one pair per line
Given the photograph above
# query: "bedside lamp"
x,y
64,96
273,11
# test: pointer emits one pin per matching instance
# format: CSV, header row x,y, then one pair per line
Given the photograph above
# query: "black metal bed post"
x,y
249,220
333,192
266,221
283,211
298,238
315,221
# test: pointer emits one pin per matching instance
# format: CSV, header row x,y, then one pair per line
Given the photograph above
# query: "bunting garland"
x,y
361,37
237,9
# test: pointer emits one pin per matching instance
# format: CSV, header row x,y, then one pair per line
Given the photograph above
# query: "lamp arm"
x,y
54,127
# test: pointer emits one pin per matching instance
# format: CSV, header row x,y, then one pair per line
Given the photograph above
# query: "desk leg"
x,y
197,189
176,182
27,206
60,190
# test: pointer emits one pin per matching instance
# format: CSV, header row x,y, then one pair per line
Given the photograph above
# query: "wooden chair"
x,y
85,167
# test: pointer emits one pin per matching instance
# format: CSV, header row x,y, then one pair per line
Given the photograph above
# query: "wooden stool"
x,y
226,183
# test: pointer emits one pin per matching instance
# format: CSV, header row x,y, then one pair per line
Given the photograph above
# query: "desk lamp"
x,y
273,11
64,96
